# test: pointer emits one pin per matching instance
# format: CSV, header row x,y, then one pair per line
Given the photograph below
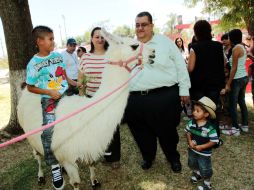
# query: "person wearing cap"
x,y
71,61
201,137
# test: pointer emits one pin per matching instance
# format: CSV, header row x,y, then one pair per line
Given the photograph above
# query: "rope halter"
x,y
125,63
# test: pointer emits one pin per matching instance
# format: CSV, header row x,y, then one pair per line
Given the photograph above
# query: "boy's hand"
x,y
54,94
192,144
198,148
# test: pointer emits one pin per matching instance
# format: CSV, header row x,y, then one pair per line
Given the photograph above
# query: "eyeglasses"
x,y
142,25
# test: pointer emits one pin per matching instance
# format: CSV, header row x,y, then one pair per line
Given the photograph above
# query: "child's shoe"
x,y
232,131
57,177
205,186
195,177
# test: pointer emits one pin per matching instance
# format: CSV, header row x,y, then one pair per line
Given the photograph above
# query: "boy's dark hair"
x,y
40,32
145,13
202,30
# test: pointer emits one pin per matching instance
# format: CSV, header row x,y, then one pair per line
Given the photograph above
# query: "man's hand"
x,y
185,99
54,94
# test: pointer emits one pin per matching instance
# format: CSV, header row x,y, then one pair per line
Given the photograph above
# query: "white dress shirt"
x,y
168,68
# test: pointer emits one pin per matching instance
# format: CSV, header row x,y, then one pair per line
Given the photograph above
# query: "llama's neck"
x,y
113,76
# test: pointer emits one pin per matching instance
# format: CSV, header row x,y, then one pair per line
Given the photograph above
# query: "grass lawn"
x,y
232,163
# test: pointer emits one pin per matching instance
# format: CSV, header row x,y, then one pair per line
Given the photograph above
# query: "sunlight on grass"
x,y
153,185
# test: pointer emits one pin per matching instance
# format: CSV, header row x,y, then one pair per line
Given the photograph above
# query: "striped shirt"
x,y
92,66
202,135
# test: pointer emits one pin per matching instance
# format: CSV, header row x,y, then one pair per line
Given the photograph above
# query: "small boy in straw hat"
x,y
201,137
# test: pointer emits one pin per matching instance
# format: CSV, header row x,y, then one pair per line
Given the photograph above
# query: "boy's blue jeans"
x,y
48,114
200,163
237,95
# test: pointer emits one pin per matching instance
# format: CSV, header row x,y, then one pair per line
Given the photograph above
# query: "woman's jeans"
x,y
237,96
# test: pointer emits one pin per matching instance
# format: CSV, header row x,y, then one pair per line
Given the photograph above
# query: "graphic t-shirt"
x,y
47,73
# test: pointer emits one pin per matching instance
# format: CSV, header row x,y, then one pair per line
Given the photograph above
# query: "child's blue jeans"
x,y
200,163
48,114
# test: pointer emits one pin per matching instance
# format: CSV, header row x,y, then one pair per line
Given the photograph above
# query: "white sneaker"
x,y
245,128
231,131
222,127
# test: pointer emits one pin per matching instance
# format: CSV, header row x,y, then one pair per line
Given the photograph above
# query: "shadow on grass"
x,y
20,176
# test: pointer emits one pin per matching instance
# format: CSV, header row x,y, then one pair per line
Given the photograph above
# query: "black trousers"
x,y
113,152
153,115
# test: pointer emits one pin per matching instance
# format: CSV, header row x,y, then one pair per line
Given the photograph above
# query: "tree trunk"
x,y
17,25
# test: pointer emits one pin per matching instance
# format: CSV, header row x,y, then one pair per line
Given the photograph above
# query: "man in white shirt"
x,y
154,106
71,60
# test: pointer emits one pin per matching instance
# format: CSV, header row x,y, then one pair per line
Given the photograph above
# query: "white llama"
x,y
85,136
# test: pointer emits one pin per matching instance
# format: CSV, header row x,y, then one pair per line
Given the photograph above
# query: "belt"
x,y
146,92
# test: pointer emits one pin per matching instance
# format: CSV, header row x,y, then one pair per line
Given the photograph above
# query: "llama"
x,y
85,136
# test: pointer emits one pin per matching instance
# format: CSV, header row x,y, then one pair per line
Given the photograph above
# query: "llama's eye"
x,y
134,46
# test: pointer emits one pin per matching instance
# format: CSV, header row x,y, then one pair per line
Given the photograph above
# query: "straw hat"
x,y
208,104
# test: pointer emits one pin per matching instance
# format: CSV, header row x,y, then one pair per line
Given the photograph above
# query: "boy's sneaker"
x,y
195,177
204,187
57,177
244,128
232,131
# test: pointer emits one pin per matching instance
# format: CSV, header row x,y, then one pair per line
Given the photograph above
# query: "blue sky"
x,y
82,15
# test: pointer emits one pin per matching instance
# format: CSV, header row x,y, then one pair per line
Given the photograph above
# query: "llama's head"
x,y
123,49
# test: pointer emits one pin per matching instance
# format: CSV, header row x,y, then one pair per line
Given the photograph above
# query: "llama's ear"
x,y
110,38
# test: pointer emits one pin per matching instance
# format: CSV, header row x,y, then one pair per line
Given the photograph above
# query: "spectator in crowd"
x,y
71,61
251,68
91,67
193,41
81,50
226,45
154,105
236,84
201,137
206,64
179,43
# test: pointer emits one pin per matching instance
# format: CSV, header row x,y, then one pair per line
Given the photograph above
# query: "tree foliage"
x,y
234,13
124,31
169,27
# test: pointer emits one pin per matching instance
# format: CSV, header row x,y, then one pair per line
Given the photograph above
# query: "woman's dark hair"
x,y
92,45
182,46
145,13
83,49
202,30
224,37
235,36
193,41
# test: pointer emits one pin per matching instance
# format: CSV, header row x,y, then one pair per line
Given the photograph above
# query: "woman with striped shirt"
x,y
91,67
